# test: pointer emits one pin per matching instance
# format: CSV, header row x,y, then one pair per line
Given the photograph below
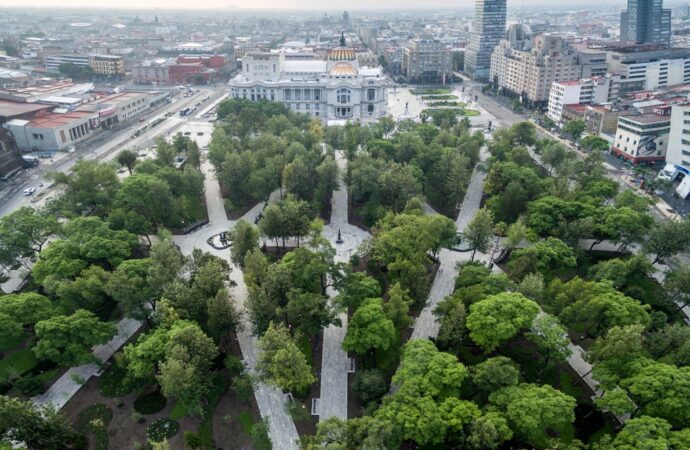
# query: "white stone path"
x,y
334,360
271,400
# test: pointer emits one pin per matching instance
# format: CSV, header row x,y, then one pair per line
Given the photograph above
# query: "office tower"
x,y
488,29
646,21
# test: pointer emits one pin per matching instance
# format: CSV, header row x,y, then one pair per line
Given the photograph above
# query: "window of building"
x,y
317,94
370,109
298,94
343,96
307,94
371,94
288,94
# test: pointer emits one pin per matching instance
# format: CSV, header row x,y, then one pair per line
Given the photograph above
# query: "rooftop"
x,y
11,109
645,119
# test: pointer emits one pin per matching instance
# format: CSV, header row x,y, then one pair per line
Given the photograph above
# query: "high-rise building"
x,y
488,29
646,21
679,138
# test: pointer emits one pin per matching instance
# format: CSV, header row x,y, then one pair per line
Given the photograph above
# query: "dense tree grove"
x,y
417,161
576,270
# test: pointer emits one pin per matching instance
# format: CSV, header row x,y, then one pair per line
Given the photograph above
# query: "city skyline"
x,y
292,4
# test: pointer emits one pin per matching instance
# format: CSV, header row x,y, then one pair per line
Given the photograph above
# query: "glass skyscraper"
x,y
645,22
488,29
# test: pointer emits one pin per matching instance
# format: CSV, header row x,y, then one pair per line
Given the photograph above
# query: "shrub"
x,y
150,403
94,420
29,386
369,385
234,365
260,439
192,440
161,429
115,382
242,386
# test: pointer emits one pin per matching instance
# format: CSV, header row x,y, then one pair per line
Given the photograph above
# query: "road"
x,y
104,146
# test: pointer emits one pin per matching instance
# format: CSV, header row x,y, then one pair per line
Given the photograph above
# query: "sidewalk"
x,y
71,381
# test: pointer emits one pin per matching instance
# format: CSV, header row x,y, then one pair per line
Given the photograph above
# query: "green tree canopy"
x,y
500,317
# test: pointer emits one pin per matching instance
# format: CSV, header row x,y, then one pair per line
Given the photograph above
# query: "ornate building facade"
x,y
334,89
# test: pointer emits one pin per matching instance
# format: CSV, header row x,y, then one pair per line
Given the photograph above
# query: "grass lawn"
x,y
221,383
18,362
245,418
430,91
178,412
10,343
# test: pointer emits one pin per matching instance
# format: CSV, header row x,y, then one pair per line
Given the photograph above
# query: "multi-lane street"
x,y
105,147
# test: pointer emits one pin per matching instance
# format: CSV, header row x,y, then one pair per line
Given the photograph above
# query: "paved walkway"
x,y
334,361
270,400
71,381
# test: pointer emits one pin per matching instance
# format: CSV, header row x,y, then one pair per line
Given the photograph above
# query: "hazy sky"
x,y
318,5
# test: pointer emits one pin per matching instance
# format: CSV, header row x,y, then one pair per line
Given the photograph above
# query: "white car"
x,y
29,191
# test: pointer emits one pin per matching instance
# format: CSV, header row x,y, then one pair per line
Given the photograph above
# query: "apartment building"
x,y
528,67
107,66
427,60
585,91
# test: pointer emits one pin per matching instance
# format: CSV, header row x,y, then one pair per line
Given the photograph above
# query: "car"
x,y
29,191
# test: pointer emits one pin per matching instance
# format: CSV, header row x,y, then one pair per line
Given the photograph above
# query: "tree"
x,y
369,329
87,291
594,143
150,198
532,410
544,256
244,237
89,189
281,363
398,306
356,287
185,373
26,309
500,317
23,233
222,315
34,426
489,431
67,340
672,340
551,339
452,314
370,385
667,238
127,158
429,372
662,390
130,286
575,128
479,231
641,432
309,312
601,311
494,374
677,285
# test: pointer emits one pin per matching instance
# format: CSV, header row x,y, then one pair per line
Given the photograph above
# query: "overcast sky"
x,y
287,4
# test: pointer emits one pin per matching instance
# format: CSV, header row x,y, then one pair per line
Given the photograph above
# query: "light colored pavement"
x,y
334,360
71,381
